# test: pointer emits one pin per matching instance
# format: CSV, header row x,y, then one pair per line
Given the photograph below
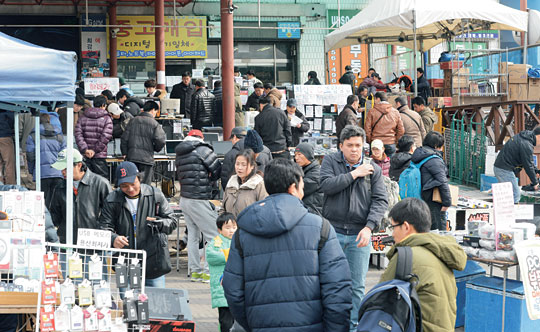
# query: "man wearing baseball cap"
x,y
304,155
89,193
139,217
299,124
198,169
120,119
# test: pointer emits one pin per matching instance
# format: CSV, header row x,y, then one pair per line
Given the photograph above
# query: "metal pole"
x,y
525,49
113,60
258,13
414,56
159,12
37,135
17,151
69,175
227,66
338,13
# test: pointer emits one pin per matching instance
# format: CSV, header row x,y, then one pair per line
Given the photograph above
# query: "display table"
x,y
503,266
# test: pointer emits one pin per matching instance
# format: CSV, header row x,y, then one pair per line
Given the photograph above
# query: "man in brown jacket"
x,y
412,121
273,94
383,122
428,116
348,115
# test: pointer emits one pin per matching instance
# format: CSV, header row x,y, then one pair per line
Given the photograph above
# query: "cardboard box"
x,y
516,91
534,89
439,102
451,65
516,73
18,298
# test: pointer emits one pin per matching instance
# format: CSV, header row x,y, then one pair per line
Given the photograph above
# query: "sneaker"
x,y
196,277
205,277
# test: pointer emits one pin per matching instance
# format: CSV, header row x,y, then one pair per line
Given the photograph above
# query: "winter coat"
x,y
274,127
517,154
142,137
117,218
227,170
275,97
120,124
281,279
202,108
429,118
313,196
87,204
348,116
434,258
434,173
313,81
94,131
133,105
7,123
349,204
62,114
398,163
237,99
348,78
197,168
184,93
216,258
413,124
217,112
388,129
298,132
51,143
384,164
50,230
373,84
252,102
238,196
424,89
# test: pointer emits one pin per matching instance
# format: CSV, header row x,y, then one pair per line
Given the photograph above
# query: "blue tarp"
x,y
33,73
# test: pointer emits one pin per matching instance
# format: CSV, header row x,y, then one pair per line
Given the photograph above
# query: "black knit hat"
x,y
253,141
307,150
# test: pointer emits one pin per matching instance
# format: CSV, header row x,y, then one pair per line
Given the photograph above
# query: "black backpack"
x,y
393,305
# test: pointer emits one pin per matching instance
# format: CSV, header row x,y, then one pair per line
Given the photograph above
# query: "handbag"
x,y
454,193
158,259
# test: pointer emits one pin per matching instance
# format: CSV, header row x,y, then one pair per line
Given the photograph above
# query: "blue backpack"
x,y
393,305
410,180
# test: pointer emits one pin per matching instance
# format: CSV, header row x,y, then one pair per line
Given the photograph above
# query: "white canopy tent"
x,y
422,24
30,74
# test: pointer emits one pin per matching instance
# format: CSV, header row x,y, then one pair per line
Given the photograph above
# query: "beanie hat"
x,y
307,150
253,141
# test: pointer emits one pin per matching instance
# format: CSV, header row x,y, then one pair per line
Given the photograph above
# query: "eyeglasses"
x,y
394,226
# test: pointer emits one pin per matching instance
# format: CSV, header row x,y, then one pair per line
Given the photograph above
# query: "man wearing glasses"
x,y
434,258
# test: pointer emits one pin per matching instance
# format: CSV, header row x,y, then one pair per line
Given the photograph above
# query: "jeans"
x,y
503,175
98,166
200,217
157,282
358,259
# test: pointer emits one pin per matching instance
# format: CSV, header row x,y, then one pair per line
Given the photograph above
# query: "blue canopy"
x,y
33,73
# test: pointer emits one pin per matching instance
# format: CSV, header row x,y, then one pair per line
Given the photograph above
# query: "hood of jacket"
x,y
427,112
383,107
529,136
423,152
95,113
135,100
272,216
275,92
249,184
400,159
445,248
189,144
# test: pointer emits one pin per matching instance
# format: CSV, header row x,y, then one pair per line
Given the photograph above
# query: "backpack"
x,y
393,305
410,181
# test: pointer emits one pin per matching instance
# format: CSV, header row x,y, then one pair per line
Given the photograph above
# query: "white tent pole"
x,y
17,150
69,175
37,136
525,46
414,56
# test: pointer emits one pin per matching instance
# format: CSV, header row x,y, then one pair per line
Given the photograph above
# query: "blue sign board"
x,y
288,30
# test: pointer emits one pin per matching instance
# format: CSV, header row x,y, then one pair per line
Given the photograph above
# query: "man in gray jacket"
x,y
139,217
355,200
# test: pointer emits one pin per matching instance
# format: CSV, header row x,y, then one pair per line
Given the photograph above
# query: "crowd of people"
x,y
300,255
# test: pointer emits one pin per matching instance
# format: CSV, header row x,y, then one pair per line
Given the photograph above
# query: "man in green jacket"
x,y
434,258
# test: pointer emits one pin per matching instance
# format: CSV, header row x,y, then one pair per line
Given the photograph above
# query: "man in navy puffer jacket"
x,y
92,133
278,280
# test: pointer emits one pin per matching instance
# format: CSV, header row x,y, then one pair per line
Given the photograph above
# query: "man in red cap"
x,y
198,169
